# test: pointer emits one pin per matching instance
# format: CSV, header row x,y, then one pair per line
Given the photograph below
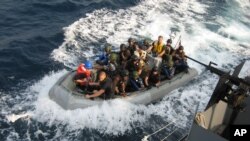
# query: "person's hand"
x,y
105,67
78,81
88,96
123,94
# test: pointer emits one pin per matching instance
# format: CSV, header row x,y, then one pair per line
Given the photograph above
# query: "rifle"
x,y
178,42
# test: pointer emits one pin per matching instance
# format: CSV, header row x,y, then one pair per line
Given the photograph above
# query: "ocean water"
x,y
40,40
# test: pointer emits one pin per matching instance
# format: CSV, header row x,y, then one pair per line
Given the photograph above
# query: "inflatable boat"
x,y
67,95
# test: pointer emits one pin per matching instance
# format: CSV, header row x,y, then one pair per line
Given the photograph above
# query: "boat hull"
x,y
63,91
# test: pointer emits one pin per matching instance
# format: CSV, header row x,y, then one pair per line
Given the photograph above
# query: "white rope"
x,y
169,134
146,137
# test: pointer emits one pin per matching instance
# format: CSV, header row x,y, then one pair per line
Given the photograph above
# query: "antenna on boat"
x,y
178,43
172,36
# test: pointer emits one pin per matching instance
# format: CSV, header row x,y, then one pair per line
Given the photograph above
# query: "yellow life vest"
x,y
158,48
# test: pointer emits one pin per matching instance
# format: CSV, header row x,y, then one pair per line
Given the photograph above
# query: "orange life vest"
x,y
82,70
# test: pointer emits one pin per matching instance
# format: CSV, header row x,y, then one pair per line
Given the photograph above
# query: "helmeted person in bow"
x,y
124,55
104,57
146,45
111,67
132,45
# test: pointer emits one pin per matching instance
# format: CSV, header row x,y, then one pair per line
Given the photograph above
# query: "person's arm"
x,y
123,87
139,71
146,81
123,56
134,85
177,56
163,51
158,82
116,90
183,56
161,54
150,48
98,93
94,83
98,67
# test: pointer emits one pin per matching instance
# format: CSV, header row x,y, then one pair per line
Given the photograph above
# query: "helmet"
x,y
169,41
131,40
88,64
146,42
124,73
134,57
122,47
181,47
154,69
108,47
135,74
113,57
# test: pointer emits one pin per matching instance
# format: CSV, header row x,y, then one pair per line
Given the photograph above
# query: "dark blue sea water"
x,y
39,39
30,30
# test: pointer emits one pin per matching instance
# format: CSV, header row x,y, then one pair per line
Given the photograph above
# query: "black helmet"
x,y
122,47
169,41
134,57
124,73
181,47
131,40
154,69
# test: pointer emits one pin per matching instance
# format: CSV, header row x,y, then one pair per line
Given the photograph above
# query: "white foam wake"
x,y
244,3
149,18
14,117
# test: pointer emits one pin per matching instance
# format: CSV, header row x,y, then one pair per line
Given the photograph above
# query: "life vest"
x,y
158,48
82,70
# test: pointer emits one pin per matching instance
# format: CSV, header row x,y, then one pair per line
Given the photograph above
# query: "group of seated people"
x,y
129,69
